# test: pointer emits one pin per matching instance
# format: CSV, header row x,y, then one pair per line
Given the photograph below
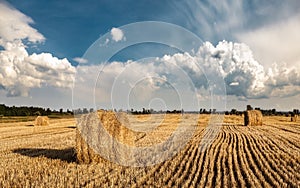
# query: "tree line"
x,y
265,112
30,111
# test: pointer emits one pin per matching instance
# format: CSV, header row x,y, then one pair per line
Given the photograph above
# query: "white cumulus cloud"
x,y
244,77
15,26
117,34
80,60
20,71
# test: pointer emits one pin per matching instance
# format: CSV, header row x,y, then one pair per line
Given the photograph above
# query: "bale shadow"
x,y
67,155
29,125
232,124
71,127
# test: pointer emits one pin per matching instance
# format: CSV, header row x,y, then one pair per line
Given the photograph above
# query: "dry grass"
x,y
240,156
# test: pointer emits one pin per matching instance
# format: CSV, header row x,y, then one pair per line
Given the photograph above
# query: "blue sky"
x,y
70,27
256,44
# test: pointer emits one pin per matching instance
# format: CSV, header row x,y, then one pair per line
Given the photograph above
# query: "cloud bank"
x,y
269,29
20,71
244,77
278,42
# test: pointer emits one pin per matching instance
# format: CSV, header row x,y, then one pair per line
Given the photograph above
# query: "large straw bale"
x,y
41,121
91,130
253,118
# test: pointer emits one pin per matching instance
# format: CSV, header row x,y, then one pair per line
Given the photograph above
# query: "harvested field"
x,y
240,156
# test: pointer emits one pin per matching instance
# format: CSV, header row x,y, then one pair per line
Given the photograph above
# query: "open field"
x,y
262,156
11,119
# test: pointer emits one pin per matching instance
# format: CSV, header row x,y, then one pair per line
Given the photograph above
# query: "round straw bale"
x,y
253,118
294,118
41,121
91,129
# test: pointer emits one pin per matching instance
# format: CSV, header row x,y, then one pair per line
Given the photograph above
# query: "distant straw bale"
x,y
41,121
253,118
294,118
90,135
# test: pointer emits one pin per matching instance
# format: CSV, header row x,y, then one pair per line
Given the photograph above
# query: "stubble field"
x,y
265,156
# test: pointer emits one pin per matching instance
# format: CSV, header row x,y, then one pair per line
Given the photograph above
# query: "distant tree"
x,y
233,112
249,107
48,111
61,111
37,113
27,113
78,111
85,111
2,109
273,111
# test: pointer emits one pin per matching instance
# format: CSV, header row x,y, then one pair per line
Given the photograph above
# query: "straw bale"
x,y
294,118
253,118
92,127
41,121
